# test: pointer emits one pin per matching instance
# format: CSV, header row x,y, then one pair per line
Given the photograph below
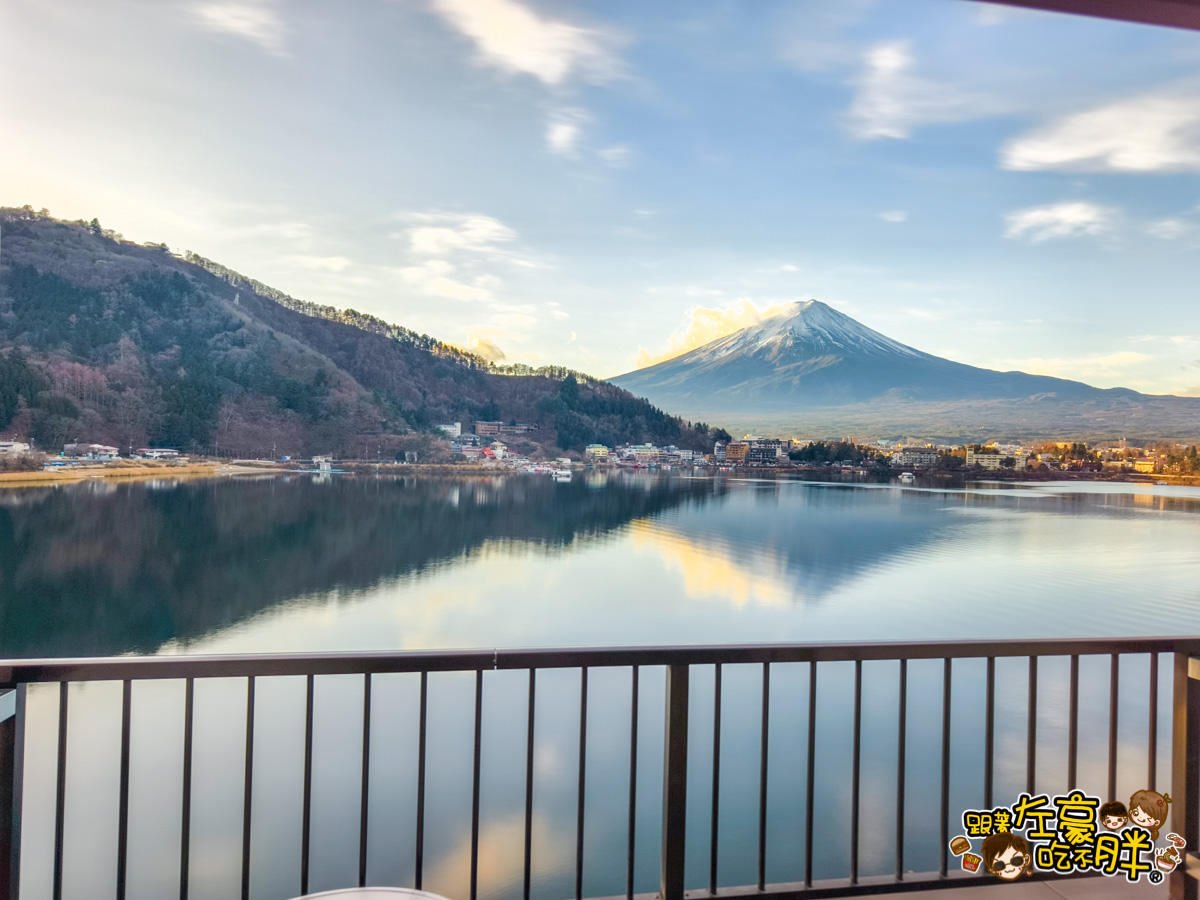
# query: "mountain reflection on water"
x,y
299,564
98,569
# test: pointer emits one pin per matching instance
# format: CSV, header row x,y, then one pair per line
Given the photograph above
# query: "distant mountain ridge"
x,y
814,366
124,344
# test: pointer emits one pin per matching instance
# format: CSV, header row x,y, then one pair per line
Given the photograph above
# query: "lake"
x,y
301,564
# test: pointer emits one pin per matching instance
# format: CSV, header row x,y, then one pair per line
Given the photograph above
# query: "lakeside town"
x,y
512,446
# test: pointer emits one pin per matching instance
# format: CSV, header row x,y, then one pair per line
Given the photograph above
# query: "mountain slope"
x,y
819,364
108,341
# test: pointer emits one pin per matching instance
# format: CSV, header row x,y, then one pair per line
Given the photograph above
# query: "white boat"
x,y
562,475
907,478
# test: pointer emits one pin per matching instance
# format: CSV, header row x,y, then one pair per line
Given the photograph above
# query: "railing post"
x,y
1185,774
12,777
674,819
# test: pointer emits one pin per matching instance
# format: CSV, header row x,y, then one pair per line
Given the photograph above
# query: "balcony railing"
x,y
888,665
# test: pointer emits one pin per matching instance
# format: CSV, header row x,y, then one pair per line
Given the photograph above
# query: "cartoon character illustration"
x,y
1113,815
1006,855
1177,840
1149,810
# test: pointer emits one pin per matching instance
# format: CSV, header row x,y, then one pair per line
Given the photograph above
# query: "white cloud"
x,y
515,38
1169,229
1152,133
1059,220
894,215
788,267
564,130
892,101
814,33
449,232
258,22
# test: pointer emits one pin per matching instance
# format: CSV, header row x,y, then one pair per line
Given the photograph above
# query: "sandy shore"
x,y
67,474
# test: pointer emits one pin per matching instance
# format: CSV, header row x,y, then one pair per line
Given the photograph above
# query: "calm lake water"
x,y
299,564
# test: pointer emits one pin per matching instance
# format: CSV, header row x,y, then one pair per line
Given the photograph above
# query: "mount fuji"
x,y
814,366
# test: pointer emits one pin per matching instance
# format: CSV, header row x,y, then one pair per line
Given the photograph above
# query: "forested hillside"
x,y
103,340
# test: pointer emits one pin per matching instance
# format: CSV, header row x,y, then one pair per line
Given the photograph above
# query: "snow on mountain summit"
x,y
808,328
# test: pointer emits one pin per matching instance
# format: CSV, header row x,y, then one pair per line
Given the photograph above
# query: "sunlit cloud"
x,y
1152,133
706,324
892,101
515,38
1059,220
449,232
258,22
894,215
617,157
486,348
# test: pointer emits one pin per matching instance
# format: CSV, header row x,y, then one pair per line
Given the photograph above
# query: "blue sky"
x,y
602,184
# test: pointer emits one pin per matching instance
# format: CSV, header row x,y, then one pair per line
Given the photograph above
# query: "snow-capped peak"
x,y
811,326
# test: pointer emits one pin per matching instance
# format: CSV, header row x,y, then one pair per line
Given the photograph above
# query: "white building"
x,y
13,447
454,430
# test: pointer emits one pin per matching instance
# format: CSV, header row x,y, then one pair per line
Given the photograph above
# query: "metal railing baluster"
x,y
989,731
762,775
901,746
1073,724
248,788
60,791
185,806
944,818
364,803
1031,730
306,811
123,807
579,802
633,755
528,874
714,832
1152,749
675,753
475,784
810,774
418,870
854,777
1113,682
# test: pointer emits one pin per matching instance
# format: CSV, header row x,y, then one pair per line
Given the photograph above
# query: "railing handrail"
x,y
35,671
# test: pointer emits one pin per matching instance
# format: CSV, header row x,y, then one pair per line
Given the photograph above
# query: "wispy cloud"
x,y
515,38
706,324
892,101
1152,133
1059,220
894,215
257,22
437,278
1169,229
321,263
1101,365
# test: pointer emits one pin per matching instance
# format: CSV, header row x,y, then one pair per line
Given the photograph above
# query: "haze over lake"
x,y
304,565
